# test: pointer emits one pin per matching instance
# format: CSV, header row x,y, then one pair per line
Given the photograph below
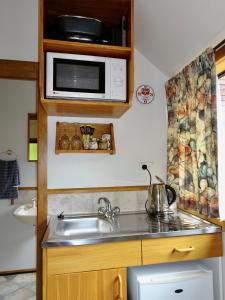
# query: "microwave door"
x,y
77,79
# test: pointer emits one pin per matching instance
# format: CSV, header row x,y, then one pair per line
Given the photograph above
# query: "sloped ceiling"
x,y
171,33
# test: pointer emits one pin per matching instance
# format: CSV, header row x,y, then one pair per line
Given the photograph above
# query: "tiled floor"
x,y
18,287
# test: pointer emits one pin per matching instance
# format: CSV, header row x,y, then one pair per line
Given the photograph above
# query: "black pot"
x,y
68,24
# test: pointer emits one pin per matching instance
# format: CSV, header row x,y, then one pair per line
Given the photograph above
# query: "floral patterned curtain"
x,y
192,143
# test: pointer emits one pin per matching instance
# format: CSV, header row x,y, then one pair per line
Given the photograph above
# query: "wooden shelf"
x,y
62,107
111,13
86,49
71,129
84,151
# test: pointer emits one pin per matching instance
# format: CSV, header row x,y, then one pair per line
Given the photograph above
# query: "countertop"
x,y
130,226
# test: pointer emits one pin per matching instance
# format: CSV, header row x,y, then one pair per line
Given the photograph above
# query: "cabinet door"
x,y
95,285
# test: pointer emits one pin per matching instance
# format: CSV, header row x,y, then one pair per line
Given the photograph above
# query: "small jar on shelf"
x,y
103,144
76,143
93,144
64,141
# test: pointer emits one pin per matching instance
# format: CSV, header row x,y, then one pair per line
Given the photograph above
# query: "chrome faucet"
x,y
107,211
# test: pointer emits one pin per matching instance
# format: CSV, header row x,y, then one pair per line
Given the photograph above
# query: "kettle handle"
x,y
174,195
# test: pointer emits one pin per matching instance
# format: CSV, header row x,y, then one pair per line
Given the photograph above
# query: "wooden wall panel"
x,y
16,69
98,189
42,195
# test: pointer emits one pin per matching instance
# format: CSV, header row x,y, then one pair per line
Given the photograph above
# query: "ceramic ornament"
x,y
145,94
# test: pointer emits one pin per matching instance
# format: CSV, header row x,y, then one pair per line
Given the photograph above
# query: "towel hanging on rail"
x,y
9,179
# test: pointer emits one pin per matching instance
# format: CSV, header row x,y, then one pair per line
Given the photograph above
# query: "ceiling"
x,y
172,33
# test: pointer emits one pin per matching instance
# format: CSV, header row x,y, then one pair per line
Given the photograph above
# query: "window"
x,y
220,68
32,137
222,88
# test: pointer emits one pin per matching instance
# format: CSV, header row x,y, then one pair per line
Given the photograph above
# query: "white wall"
x,y
140,135
18,241
19,29
17,99
17,246
189,30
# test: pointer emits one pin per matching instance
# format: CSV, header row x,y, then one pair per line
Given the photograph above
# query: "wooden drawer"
x,y
93,257
164,250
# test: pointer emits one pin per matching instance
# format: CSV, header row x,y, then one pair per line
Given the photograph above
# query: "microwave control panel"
x,y
118,79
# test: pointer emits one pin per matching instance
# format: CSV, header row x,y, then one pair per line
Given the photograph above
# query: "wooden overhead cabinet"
x,y
111,13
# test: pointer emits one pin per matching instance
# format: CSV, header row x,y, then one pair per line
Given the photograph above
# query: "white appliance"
x,y
179,281
84,77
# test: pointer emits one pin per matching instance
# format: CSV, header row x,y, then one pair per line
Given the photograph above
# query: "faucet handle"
x,y
116,211
102,211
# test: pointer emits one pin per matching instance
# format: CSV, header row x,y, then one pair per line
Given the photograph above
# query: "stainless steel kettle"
x,y
160,197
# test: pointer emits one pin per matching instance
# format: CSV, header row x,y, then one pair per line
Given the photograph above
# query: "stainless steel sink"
x,y
91,229
81,226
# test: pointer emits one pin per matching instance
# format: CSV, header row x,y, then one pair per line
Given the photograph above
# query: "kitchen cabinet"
x,y
104,284
111,13
90,271
99,271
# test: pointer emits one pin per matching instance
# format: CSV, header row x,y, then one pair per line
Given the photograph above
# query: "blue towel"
x,y
9,179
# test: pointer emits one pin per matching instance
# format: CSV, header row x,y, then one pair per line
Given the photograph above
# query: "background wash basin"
x,y
26,213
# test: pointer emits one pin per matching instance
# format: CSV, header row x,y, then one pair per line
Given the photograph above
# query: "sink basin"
x,y
81,226
26,213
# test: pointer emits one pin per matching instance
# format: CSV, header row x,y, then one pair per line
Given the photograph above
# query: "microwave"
x,y
84,77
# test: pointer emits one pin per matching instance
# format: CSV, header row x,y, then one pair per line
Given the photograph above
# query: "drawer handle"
x,y
184,250
120,293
